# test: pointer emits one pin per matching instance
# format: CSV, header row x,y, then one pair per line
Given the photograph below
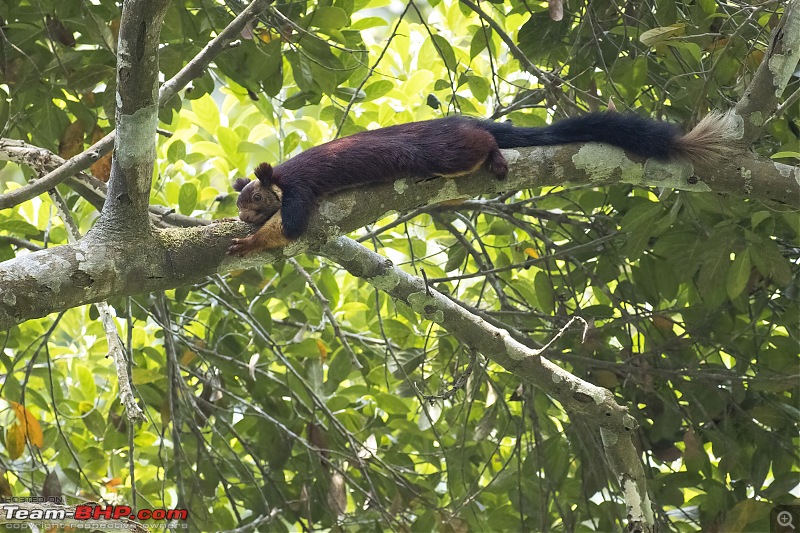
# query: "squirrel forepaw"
x,y
242,247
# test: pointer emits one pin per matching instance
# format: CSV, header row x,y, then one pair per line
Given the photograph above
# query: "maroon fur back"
x,y
446,146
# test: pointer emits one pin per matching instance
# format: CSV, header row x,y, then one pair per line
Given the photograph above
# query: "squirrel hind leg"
x,y
497,163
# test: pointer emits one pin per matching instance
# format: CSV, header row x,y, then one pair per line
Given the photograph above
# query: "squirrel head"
x,y
258,199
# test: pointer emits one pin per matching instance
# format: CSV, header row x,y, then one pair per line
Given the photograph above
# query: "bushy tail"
x,y
715,137
711,139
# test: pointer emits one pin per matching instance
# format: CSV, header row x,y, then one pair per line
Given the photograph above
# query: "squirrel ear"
x,y
264,173
240,183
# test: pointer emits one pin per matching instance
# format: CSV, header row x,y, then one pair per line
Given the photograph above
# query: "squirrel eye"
x,y
257,197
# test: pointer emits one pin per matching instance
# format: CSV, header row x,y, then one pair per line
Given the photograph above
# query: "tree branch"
x,y
125,209
773,74
96,269
90,188
196,67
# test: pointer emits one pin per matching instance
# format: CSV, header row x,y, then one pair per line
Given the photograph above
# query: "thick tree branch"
x,y
195,68
95,269
125,209
578,397
776,69
115,348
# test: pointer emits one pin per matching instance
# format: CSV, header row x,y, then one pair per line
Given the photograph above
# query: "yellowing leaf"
x,y
113,483
323,350
33,430
605,378
662,323
71,142
532,252
5,486
187,357
29,426
19,410
744,513
268,36
337,494
101,169
15,441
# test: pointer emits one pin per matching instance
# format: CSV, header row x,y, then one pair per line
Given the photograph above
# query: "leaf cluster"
x,y
339,407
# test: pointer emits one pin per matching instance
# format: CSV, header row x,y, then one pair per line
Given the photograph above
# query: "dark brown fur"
x,y
444,147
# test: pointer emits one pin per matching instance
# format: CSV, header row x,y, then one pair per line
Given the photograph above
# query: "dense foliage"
x,y
257,408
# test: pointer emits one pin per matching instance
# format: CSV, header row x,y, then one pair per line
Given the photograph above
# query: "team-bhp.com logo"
x,y
27,512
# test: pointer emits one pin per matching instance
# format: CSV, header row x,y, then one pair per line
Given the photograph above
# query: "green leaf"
x,y
187,198
544,292
759,217
642,215
206,112
296,101
377,89
656,35
690,52
445,51
350,94
455,258
329,286
142,376
95,422
478,43
368,22
229,141
329,18
785,154
305,349
479,87
200,87
771,263
739,274
176,151
540,38
19,227
713,272
392,404
86,380
760,467
338,370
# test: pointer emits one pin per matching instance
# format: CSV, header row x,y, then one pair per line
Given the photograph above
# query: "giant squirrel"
x,y
283,198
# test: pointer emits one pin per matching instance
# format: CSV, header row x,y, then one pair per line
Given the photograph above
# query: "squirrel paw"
x,y
242,247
